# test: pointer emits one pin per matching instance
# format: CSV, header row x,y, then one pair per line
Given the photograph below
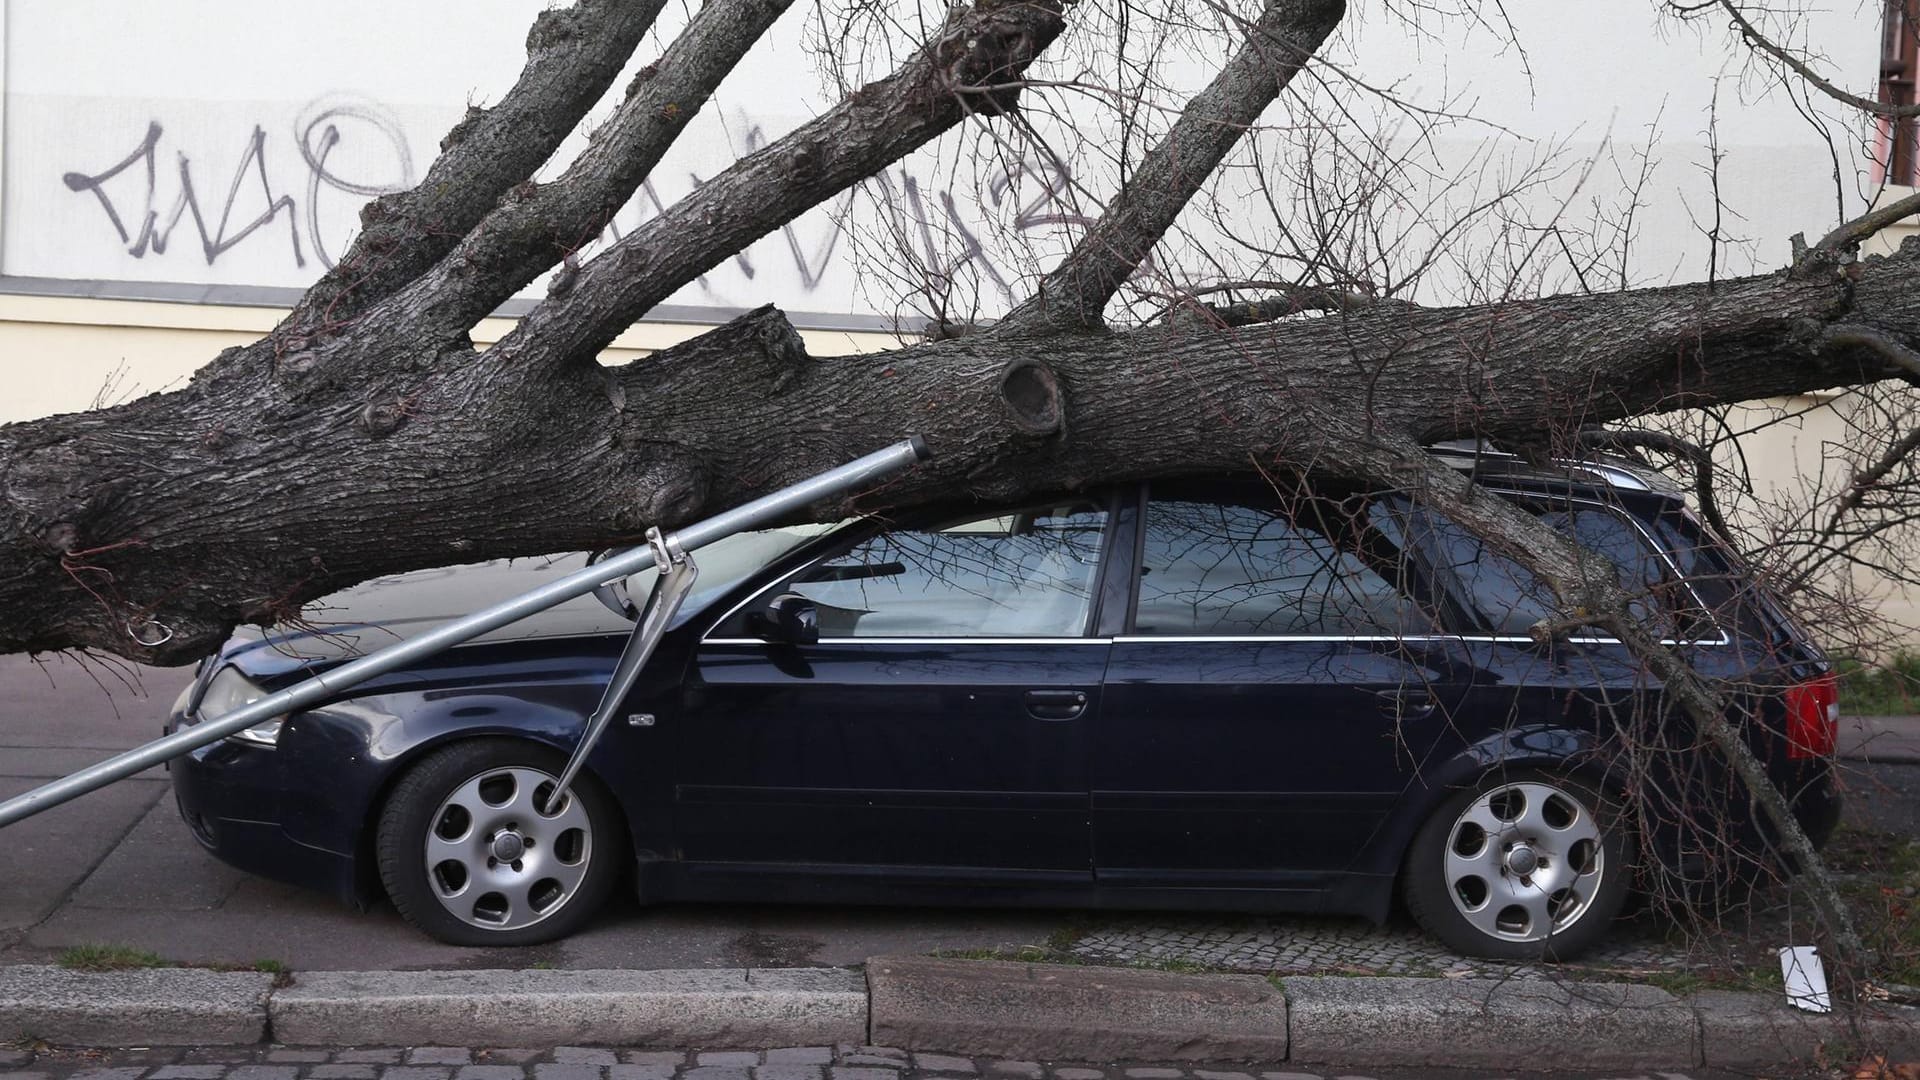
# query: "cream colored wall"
x,y
62,354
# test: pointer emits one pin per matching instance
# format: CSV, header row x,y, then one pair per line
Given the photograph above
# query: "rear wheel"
x,y
469,853
1524,866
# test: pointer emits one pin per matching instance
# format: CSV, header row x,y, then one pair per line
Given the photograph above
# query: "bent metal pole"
x,y
761,511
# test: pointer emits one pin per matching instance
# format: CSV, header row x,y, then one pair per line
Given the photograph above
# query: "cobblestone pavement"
x,y
1299,945
597,1063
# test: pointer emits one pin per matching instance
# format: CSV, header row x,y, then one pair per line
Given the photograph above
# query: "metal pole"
x,y
767,508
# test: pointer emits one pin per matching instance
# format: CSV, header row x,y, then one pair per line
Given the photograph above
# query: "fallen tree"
x,y
366,434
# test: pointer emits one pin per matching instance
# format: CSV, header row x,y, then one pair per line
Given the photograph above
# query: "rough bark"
x,y
210,505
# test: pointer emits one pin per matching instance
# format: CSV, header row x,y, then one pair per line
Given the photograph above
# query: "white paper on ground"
x,y
1806,978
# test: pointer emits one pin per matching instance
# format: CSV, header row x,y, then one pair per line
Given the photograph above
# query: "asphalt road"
x,y
118,867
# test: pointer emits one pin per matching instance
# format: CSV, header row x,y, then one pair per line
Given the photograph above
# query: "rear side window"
x,y
1512,600
1236,562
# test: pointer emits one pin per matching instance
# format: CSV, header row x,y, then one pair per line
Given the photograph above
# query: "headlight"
x,y
231,690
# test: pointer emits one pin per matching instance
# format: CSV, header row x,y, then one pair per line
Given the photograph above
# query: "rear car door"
x,y
940,721
1281,679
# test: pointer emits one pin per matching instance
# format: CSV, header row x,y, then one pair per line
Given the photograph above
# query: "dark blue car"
x,y
1223,694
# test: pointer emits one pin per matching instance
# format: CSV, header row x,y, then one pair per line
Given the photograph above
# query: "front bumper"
x,y
230,796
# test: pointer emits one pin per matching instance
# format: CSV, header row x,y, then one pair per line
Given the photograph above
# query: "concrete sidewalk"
x,y
1889,740
975,1009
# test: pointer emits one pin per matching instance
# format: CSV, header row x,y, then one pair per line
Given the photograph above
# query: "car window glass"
x,y
1242,565
1028,574
1513,600
728,561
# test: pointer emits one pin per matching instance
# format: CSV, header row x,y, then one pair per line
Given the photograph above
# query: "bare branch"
x,y
573,56
1755,39
973,66
1290,300
1278,46
1696,455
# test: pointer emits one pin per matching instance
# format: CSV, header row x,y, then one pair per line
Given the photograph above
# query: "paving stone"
x,y
872,1060
640,1072
14,1059
800,1055
736,1059
351,1072
281,1055
216,1055
416,1072
507,1055
718,1072
787,1072
24,1074
842,1072
1030,1070
370,1055
585,1055
1209,1074
262,1072
439,1055
489,1072
894,1052
568,1070
124,1073
670,1058
1155,1074
1289,1076
945,1063
188,1072
1079,1074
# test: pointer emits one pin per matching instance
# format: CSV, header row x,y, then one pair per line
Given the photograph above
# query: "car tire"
x,y
1525,865
468,854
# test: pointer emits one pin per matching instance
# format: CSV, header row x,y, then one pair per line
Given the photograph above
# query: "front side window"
x,y
1025,574
1246,563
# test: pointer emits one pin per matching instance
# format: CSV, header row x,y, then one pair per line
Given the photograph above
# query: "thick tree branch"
x,y
536,226
1278,45
1850,236
973,66
573,56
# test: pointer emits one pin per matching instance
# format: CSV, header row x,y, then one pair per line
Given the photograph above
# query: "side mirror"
x,y
791,619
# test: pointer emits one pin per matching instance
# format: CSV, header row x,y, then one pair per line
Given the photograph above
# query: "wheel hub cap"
x,y
1522,860
508,846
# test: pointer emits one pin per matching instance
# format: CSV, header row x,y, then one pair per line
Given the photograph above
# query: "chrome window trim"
x,y
924,641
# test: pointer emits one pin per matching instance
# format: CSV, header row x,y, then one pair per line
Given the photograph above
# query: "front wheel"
x,y
469,853
1524,866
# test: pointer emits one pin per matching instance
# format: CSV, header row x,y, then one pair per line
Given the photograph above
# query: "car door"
x,y
1280,681
940,720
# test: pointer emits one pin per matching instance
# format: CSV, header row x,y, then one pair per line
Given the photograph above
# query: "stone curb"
x,y
1528,1023
1761,1029
1012,1010
151,1006
727,1007
1061,1012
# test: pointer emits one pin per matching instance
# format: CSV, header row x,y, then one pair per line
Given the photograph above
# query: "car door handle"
x,y
1056,704
1405,704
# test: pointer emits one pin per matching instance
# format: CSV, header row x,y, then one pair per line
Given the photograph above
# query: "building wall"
x,y
65,354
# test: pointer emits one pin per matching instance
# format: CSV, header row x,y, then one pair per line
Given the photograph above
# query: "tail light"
x,y
1813,717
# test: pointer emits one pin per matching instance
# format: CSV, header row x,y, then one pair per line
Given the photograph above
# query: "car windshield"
x,y
728,561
